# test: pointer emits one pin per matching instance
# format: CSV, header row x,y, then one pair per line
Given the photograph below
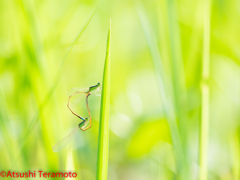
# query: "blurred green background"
x,y
150,39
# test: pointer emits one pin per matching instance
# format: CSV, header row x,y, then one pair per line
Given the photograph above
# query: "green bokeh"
x,y
35,37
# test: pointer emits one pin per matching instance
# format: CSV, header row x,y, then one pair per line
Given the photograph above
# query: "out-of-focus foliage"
x,y
35,38
148,134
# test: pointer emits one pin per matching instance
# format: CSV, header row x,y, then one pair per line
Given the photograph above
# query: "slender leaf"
x,y
103,138
167,104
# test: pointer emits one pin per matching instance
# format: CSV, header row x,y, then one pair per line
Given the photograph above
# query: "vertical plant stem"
x,y
205,93
103,138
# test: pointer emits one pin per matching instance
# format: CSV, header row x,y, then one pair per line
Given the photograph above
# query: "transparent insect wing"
x,y
77,94
64,142
98,91
75,99
75,90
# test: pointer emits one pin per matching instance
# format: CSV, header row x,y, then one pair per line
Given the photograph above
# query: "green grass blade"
x,y
103,138
178,76
178,79
205,93
167,104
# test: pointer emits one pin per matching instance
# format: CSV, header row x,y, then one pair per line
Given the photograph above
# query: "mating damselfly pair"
x,y
75,96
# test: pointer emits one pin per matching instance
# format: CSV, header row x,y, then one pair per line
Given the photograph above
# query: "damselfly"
x,y
73,100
